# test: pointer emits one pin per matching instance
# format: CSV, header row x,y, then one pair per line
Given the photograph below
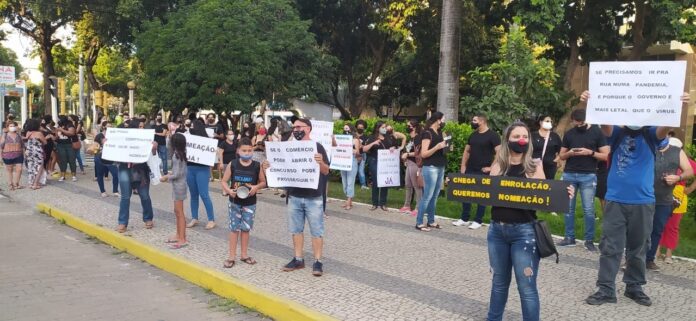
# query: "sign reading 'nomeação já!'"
x,y
504,191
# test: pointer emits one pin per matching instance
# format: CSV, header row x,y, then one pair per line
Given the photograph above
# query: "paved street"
x,y
51,272
377,266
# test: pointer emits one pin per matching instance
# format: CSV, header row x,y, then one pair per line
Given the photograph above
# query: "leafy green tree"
x,y
521,84
229,54
8,57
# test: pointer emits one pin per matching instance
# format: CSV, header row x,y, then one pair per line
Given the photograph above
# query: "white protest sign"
x,y
210,132
128,145
636,93
321,133
292,164
388,168
342,155
201,150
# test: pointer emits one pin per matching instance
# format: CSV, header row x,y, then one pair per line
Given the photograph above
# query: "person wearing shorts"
x,y
242,173
305,204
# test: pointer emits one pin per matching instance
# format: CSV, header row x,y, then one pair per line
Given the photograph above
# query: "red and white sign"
x,y
7,75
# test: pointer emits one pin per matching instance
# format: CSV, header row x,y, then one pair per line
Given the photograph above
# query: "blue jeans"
x,y
379,194
361,170
100,168
466,207
301,209
124,181
162,152
585,185
78,158
432,181
662,214
512,247
198,178
348,180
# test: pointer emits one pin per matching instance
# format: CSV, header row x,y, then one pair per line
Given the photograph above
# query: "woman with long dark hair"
x,y
511,236
377,141
434,161
34,153
178,179
65,133
132,176
412,170
103,166
546,146
198,178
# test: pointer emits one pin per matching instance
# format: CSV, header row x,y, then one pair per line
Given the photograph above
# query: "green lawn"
x,y
395,199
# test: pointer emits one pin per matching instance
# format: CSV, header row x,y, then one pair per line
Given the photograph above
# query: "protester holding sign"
x,y
583,146
102,166
413,174
378,140
478,155
305,204
197,178
243,178
629,210
348,176
511,235
434,163
135,176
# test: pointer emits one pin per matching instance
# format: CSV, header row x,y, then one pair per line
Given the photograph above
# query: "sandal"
x,y
121,228
149,225
373,208
192,223
384,208
437,226
19,186
228,264
422,228
249,260
348,207
170,241
178,246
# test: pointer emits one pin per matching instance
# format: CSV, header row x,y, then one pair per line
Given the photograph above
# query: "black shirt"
x,y
229,151
386,143
513,215
62,138
217,129
161,140
592,139
438,158
99,139
244,175
412,145
482,149
552,147
308,192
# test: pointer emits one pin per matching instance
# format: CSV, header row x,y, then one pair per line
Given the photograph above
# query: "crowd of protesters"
x,y
638,173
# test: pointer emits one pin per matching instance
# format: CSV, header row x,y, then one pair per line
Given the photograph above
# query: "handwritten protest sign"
x,y
342,158
388,168
201,150
321,133
292,164
514,192
636,93
128,145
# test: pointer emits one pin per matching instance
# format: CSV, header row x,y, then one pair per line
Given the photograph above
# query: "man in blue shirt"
x,y
629,210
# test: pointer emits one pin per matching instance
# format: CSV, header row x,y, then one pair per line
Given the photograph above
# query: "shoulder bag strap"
x,y
546,142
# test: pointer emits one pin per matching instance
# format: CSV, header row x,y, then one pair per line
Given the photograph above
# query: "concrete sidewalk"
x,y
377,266
49,271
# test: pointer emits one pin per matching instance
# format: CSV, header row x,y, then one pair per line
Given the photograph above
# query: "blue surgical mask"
x,y
245,157
663,144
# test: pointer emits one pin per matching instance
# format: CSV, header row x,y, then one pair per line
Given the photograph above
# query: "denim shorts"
x,y
13,161
241,217
310,209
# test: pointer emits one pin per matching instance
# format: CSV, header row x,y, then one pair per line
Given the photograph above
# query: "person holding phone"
x,y
583,146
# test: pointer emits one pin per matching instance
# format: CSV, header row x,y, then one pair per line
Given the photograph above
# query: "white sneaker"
x,y
460,223
474,225
74,178
62,178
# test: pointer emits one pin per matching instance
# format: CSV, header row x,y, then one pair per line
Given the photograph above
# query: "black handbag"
x,y
544,239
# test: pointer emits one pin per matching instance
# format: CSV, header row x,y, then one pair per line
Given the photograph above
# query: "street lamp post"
x,y
131,98
81,82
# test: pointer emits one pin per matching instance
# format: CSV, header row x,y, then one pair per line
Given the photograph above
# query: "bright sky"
x,y
23,46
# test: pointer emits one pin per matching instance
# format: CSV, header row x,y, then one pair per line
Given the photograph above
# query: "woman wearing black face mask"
x,y
512,229
360,126
377,141
412,170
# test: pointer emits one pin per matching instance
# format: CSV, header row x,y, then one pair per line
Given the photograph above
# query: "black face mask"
x,y
474,126
519,146
346,132
298,134
360,130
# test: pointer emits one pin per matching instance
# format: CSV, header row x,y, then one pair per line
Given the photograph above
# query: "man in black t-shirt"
x,y
306,204
161,139
478,156
583,146
360,126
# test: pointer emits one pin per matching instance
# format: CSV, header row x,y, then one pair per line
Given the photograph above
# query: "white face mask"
x,y
13,129
230,137
546,125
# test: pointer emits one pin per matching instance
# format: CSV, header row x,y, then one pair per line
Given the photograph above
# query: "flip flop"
x,y
178,246
248,260
171,241
228,264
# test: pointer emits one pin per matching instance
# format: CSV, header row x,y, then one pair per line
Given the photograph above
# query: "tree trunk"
x,y
48,69
345,113
641,42
448,75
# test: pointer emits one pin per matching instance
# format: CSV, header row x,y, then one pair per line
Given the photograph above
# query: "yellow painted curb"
x,y
219,283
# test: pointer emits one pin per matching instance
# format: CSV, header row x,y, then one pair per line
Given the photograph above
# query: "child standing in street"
x,y
178,180
242,179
